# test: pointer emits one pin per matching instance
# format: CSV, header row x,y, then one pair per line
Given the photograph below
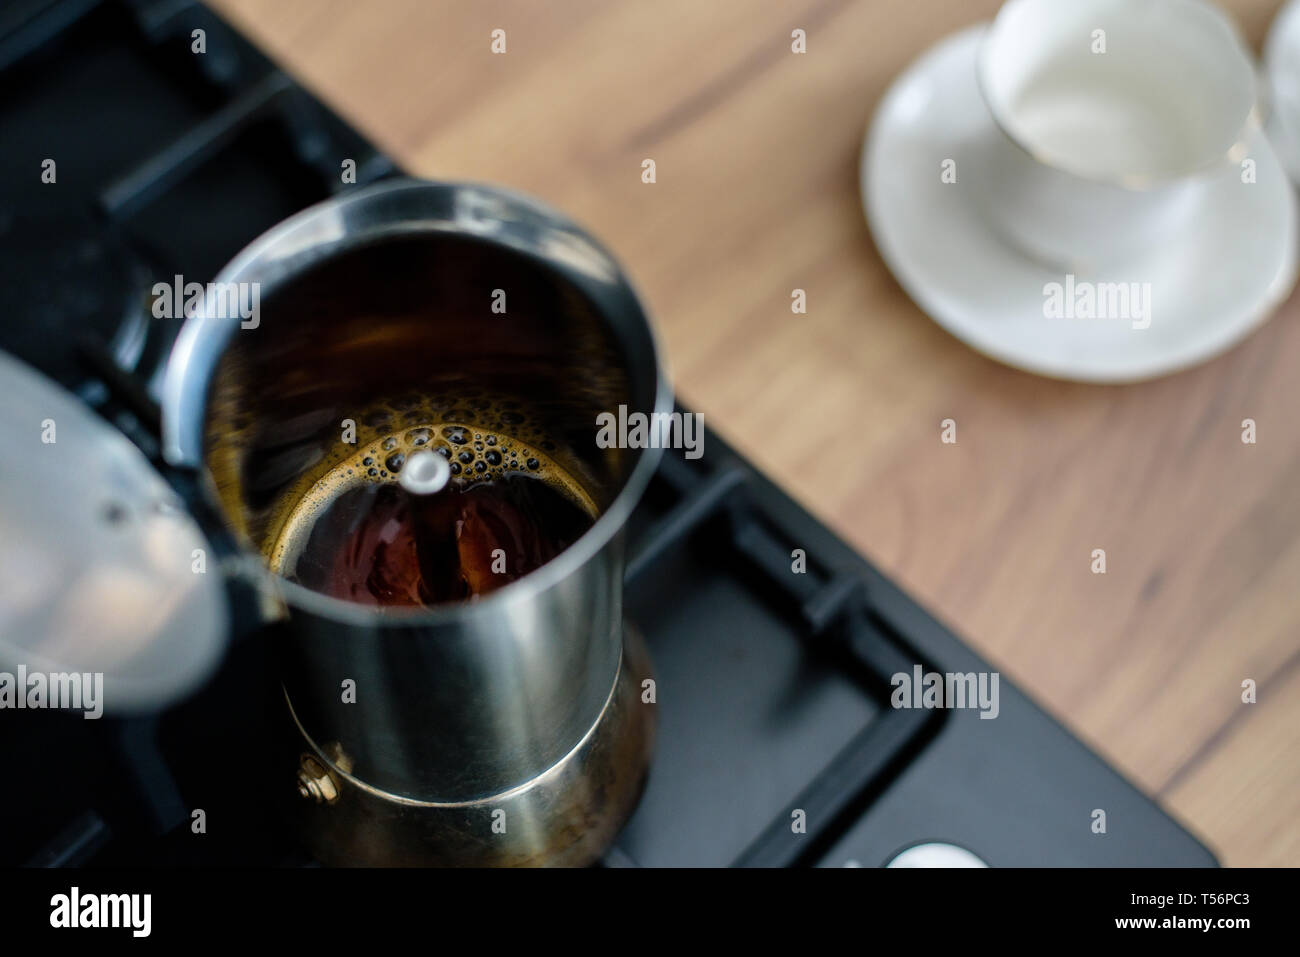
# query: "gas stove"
x,y
797,685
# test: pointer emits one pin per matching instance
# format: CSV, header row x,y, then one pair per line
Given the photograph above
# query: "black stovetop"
x,y
774,686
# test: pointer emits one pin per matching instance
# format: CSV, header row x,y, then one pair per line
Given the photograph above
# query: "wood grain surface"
x,y
757,154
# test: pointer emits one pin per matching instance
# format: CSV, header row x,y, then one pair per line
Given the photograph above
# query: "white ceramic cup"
x,y
1109,116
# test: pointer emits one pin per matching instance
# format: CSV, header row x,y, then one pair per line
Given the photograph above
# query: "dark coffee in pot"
x,y
509,507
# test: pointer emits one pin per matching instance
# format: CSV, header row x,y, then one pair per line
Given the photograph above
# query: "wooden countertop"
x,y
756,151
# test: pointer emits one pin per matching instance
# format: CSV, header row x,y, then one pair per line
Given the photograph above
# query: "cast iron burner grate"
x,y
773,687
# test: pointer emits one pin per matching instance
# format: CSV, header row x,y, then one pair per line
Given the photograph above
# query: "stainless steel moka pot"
x,y
508,730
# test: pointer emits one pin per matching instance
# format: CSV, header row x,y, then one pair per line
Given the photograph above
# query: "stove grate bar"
x,y
832,604
693,509
840,793
27,27
201,142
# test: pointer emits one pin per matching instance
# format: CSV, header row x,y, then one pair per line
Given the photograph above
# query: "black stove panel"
x,y
746,714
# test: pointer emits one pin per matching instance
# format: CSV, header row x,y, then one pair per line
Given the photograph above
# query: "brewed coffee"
x,y
509,508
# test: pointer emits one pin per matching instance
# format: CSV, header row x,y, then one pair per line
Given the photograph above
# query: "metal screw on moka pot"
x,y
315,782
505,730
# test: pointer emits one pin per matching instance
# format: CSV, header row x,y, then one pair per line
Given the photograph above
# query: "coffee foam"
x,y
484,439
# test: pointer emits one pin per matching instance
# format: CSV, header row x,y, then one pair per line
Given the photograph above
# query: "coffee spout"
x,y
425,473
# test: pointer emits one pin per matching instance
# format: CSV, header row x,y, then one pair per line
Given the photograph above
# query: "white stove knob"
x,y
936,854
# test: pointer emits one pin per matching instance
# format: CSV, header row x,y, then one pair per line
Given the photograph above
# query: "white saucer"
x,y
1282,66
1209,287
